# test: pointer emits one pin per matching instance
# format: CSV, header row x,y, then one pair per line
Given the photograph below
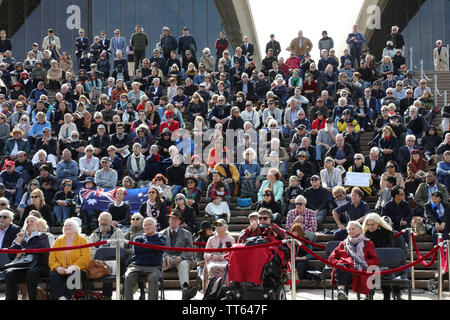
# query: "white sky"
x,y
336,17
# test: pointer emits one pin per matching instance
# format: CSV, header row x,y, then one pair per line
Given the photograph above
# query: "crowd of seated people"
x,y
165,127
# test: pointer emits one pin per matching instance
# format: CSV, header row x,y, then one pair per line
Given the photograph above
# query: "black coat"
x,y
275,45
274,206
37,242
45,213
348,150
250,51
161,219
120,214
81,45
10,235
381,238
432,216
189,219
379,165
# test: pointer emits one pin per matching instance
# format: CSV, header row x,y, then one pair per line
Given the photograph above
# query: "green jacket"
x,y
40,74
22,144
139,41
422,195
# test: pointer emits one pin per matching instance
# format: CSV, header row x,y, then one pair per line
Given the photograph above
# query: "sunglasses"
x,y
135,219
390,167
267,195
34,197
66,185
4,217
263,218
3,204
358,159
314,179
152,192
298,204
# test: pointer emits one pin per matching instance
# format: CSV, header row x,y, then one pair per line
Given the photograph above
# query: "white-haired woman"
x,y
216,262
377,230
208,60
28,238
136,163
355,252
65,263
249,172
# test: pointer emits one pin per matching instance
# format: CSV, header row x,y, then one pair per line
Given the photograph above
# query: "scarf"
x,y
355,249
152,209
439,210
356,169
137,163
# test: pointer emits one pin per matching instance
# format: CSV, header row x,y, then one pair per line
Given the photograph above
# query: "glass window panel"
x,y
171,11
186,15
114,16
142,14
157,19
426,37
99,17
128,19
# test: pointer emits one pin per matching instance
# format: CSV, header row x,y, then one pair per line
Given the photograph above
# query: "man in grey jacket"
x,y
178,237
106,178
326,42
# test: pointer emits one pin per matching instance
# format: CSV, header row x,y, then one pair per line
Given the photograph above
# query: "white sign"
x,y
356,179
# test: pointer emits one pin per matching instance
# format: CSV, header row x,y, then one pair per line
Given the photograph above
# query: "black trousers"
x,y
302,266
58,285
139,56
30,277
343,278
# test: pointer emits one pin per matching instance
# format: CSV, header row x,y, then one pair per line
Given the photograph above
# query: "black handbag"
x,y
26,261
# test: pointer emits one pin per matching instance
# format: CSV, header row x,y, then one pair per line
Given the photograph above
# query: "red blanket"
x,y
247,265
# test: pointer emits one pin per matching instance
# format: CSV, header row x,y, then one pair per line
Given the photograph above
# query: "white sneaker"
x,y
341,295
62,298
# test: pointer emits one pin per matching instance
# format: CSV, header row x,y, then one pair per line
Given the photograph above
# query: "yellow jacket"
x,y
79,257
342,126
234,175
367,190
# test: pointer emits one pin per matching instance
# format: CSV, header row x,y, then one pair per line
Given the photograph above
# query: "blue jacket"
x,y
67,170
252,168
118,44
11,181
148,257
442,169
37,128
359,40
36,94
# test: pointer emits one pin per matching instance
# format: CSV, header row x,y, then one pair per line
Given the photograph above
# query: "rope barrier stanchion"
x,y
411,257
293,271
440,244
448,264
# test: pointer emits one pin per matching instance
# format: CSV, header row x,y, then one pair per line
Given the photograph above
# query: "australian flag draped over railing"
x,y
99,199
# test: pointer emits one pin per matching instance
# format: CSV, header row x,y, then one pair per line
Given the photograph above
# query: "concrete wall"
x,y
237,18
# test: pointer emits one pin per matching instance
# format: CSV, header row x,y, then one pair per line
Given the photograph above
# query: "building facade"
x,y
27,21
421,22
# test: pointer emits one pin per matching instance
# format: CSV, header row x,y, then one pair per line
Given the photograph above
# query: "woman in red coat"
x,y
358,253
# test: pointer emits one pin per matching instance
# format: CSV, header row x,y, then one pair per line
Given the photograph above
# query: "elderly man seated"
x,y
105,231
145,262
304,216
178,237
341,152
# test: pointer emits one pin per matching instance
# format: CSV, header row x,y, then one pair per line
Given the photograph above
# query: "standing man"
x,y
440,55
355,41
52,43
105,43
168,43
326,43
187,42
300,45
5,43
247,49
118,43
396,38
274,45
178,237
82,44
139,42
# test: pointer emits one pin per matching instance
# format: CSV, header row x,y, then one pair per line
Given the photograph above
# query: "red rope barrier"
x,y
413,238
398,234
382,273
44,250
321,246
162,248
